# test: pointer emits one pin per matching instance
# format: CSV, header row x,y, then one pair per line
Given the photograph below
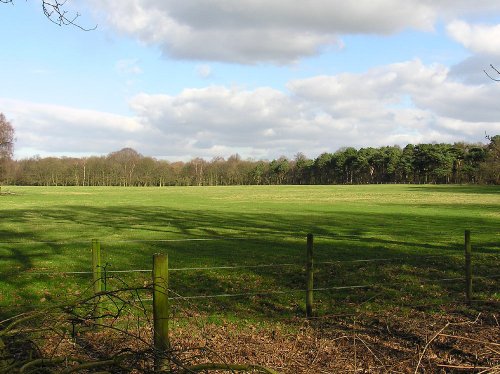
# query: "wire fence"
x,y
260,266
108,274
69,242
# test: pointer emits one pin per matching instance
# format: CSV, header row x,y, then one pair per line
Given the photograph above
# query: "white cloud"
x,y
249,31
52,129
401,103
277,31
478,38
327,112
472,70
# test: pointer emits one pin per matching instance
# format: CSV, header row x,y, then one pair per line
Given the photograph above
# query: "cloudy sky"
x,y
204,78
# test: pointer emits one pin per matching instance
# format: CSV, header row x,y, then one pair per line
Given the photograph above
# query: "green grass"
x,y
50,229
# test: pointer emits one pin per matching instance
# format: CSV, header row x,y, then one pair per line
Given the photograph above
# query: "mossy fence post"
x,y
468,267
309,275
160,309
96,276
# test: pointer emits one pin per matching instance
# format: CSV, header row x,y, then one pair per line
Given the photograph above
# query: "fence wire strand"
x,y
278,292
124,241
230,267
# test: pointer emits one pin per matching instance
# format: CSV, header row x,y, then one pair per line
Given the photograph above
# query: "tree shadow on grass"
x,y
455,188
245,239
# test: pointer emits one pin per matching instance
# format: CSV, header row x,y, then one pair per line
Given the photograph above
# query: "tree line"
x,y
421,163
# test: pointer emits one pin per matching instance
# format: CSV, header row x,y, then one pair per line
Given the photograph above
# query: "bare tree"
x,y
6,138
56,12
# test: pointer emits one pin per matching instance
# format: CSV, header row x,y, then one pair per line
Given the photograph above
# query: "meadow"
x,y
410,235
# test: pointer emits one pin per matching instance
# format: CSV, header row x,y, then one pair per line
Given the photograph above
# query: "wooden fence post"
x,y
309,276
160,308
96,266
96,275
468,268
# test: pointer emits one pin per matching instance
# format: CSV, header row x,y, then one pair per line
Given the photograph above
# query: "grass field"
x,y
421,228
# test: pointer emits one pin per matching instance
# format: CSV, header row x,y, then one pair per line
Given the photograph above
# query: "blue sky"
x,y
209,78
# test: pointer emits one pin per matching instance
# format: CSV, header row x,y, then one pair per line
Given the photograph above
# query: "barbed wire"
x,y
380,259
229,267
317,289
278,292
217,238
89,241
264,293
327,288
352,305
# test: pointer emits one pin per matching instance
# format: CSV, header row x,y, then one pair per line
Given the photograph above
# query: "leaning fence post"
x,y
309,276
160,308
96,275
468,268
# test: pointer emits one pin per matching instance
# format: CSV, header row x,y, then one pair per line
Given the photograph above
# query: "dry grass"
x,y
360,344
392,342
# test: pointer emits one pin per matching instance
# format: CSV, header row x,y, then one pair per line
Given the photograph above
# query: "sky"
x,y
177,80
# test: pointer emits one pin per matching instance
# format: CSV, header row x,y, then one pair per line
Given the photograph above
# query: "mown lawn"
x,y
415,234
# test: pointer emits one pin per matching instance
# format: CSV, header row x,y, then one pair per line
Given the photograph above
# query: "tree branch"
x,y
489,76
227,367
55,12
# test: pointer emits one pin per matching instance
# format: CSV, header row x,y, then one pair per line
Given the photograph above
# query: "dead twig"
x,y
493,370
462,367
428,344
371,351
470,339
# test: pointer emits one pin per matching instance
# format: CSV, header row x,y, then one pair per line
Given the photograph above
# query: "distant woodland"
x,y
421,163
